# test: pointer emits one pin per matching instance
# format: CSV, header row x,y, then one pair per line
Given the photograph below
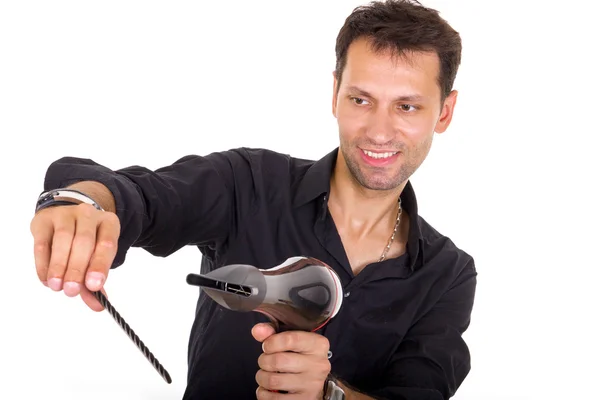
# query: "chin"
x,y
367,177
376,183
373,174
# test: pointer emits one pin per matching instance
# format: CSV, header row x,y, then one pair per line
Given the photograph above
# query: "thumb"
x,y
90,300
262,331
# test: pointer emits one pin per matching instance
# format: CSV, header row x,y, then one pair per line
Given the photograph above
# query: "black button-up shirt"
x,y
398,334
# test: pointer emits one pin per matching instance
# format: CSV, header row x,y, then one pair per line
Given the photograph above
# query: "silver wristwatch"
x,y
333,391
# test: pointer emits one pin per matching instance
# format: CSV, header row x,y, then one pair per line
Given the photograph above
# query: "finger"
x,y
291,383
288,362
42,230
262,331
64,228
82,247
265,394
90,300
104,252
297,341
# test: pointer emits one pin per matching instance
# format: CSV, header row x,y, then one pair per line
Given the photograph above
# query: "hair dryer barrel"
x,y
303,293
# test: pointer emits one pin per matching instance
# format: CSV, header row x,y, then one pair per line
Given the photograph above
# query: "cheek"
x,y
350,126
355,123
419,148
417,132
416,126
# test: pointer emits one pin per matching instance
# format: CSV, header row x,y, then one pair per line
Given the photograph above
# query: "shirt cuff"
x,y
128,201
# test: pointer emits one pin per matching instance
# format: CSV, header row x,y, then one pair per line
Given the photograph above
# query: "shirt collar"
x,y
315,184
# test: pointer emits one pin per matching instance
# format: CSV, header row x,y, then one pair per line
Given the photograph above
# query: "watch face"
x,y
334,392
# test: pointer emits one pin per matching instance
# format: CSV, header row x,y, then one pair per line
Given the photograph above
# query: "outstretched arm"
x,y
196,200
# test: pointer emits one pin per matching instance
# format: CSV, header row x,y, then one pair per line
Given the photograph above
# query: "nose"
x,y
380,128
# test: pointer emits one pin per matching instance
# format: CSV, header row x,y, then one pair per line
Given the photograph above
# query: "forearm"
x,y
98,192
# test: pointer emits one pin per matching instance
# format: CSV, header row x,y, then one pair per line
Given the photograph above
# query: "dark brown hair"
x,y
402,26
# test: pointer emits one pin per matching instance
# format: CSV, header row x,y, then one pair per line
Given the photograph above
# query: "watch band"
x,y
64,197
333,391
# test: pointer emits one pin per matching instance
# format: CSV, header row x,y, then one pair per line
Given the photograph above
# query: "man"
x,y
408,289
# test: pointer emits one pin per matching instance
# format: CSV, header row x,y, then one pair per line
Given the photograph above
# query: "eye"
x,y
358,101
407,107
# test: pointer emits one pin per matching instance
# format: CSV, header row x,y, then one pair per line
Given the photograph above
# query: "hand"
x,y
294,361
74,245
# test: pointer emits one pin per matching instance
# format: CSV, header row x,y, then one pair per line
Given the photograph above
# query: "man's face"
x,y
388,109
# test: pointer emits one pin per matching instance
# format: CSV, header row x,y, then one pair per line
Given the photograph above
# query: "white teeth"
x,y
379,155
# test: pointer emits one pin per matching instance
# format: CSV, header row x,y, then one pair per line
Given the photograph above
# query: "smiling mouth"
x,y
380,155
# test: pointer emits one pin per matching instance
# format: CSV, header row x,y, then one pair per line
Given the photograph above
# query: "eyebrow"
x,y
407,98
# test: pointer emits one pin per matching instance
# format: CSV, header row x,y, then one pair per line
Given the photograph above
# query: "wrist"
x,y
89,192
98,192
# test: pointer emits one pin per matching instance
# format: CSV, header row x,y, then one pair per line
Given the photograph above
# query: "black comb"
x,y
138,342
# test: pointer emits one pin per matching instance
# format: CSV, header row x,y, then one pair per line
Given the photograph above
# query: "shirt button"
x,y
329,354
346,294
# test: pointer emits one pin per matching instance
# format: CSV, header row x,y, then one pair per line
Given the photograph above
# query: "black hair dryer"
x,y
303,293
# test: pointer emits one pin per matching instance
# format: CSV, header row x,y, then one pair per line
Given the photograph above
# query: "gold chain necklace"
x,y
387,248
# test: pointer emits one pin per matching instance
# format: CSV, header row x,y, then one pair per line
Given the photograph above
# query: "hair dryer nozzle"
x,y
208,283
237,287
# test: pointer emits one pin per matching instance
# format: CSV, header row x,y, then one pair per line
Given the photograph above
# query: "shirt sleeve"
x,y
433,359
197,200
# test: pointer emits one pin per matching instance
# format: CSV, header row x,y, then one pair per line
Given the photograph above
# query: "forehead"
x,y
388,71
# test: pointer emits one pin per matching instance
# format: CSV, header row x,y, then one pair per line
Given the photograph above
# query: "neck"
x,y
362,211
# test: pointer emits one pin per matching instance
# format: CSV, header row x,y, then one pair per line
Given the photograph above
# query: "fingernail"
x,y
94,280
263,346
55,284
45,283
71,288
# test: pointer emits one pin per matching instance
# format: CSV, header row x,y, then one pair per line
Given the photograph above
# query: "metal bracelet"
x,y
64,197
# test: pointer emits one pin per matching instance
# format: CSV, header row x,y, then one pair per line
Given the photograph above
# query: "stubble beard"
x,y
384,179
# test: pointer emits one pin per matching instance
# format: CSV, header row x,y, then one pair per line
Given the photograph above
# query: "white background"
x,y
514,180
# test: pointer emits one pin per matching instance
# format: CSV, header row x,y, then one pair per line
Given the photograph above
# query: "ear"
x,y
334,96
446,112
